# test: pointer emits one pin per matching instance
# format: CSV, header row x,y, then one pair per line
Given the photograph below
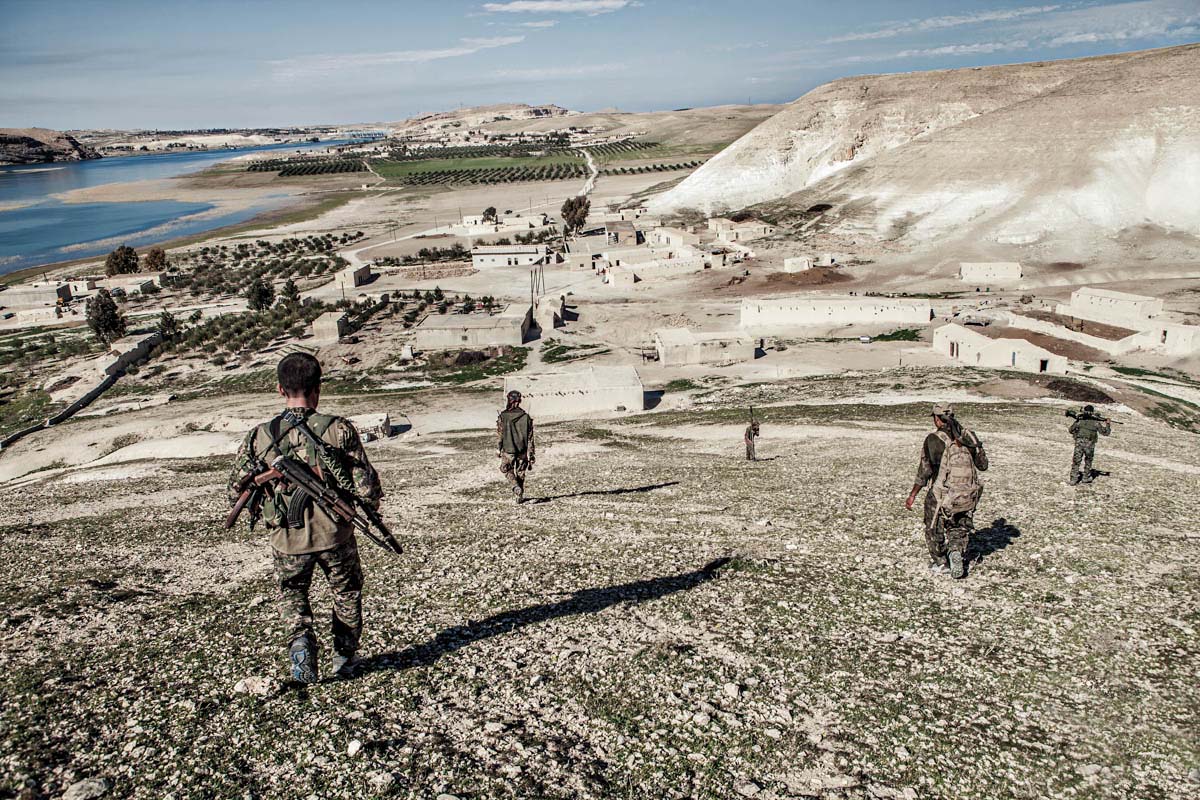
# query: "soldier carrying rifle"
x,y
1087,428
307,476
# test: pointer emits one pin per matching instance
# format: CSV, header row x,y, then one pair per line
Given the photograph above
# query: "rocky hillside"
x,y
40,146
482,115
1010,154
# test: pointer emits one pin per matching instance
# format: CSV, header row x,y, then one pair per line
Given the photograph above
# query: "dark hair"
x,y
299,374
1089,409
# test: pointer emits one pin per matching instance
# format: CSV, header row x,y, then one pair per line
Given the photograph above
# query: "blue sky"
x,y
212,63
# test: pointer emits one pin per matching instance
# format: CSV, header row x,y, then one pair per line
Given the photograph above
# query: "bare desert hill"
x,y
40,146
714,125
1017,154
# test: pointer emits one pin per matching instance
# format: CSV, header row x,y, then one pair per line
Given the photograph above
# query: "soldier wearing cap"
x,y
514,430
752,433
954,490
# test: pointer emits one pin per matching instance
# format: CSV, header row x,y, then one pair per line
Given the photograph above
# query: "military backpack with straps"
x,y
956,486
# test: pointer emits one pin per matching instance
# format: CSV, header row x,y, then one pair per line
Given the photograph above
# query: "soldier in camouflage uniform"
x,y
946,534
1086,429
313,539
514,429
749,436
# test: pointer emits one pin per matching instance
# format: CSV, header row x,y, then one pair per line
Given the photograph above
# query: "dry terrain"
x,y
662,619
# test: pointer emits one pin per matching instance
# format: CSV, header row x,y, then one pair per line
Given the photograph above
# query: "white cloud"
x,y
733,48
294,68
556,73
941,23
557,6
975,48
1143,19
545,23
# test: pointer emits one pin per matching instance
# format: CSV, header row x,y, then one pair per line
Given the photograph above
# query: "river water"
x,y
36,228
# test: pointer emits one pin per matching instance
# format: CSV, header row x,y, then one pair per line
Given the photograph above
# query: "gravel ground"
x,y
663,619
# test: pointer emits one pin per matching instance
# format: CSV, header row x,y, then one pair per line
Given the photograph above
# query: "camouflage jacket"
x,y
750,435
352,471
1088,429
934,448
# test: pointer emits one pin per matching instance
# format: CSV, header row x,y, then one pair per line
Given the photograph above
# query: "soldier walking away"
x,y
951,458
514,429
1087,427
752,433
303,534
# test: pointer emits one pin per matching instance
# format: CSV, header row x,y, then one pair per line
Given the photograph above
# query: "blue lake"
x,y
37,229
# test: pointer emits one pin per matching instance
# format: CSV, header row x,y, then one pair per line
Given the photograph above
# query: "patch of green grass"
x,y
24,408
1138,372
501,365
557,352
902,335
682,385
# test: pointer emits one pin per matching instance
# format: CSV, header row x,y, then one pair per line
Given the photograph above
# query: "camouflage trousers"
x,y
514,467
344,573
751,454
1081,461
945,531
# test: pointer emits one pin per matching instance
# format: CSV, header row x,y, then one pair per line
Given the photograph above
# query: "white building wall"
x,y
577,394
797,264
791,312
990,272
1115,307
976,350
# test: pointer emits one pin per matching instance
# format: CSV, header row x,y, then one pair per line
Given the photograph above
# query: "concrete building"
x,y
974,349
745,231
1104,305
489,256
576,394
468,331
989,272
81,286
352,277
798,264
1170,338
659,269
681,346
579,260
373,426
667,237
623,233
330,326
131,283
832,310
130,350
35,295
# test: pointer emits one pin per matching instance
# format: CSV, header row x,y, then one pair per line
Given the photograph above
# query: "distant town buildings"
x,y
681,347
832,310
990,272
974,349
579,393
465,331
509,255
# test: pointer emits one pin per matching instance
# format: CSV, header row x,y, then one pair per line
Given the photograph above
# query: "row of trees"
x,y
650,168
124,260
513,174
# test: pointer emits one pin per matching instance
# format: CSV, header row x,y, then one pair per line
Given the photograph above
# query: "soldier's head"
x,y
1089,409
942,414
513,399
299,379
754,426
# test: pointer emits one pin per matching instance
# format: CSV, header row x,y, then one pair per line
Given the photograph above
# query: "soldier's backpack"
x,y
956,487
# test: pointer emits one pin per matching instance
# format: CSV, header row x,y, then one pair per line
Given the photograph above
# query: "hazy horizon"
x,y
136,64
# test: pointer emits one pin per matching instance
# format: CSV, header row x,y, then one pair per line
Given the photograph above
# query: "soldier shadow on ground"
x,y
992,539
533,501
585,601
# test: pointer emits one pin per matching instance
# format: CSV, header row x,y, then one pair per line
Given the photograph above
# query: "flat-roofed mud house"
x,y
983,272
805,311
490,256
976,350
329,327
575,394
36,295
1105,305
466,331
679,347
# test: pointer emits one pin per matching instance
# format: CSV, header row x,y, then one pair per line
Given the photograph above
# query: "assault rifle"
x,y
342,506
1082,415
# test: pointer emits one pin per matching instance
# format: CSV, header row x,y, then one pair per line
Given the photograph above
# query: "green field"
x,y
401,169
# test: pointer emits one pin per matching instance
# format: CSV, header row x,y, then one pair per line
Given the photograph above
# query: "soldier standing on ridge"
x,y
303,535
1086,428
514,429
950,459
749,436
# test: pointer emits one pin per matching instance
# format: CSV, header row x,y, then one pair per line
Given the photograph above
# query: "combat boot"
x,y
518,494
958,569
303,655
937,566
344,666
1074,480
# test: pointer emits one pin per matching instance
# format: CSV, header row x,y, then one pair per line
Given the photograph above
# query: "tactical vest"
x,y
286,509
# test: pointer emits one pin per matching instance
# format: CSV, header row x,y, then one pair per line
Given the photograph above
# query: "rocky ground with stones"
x,y
661,619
